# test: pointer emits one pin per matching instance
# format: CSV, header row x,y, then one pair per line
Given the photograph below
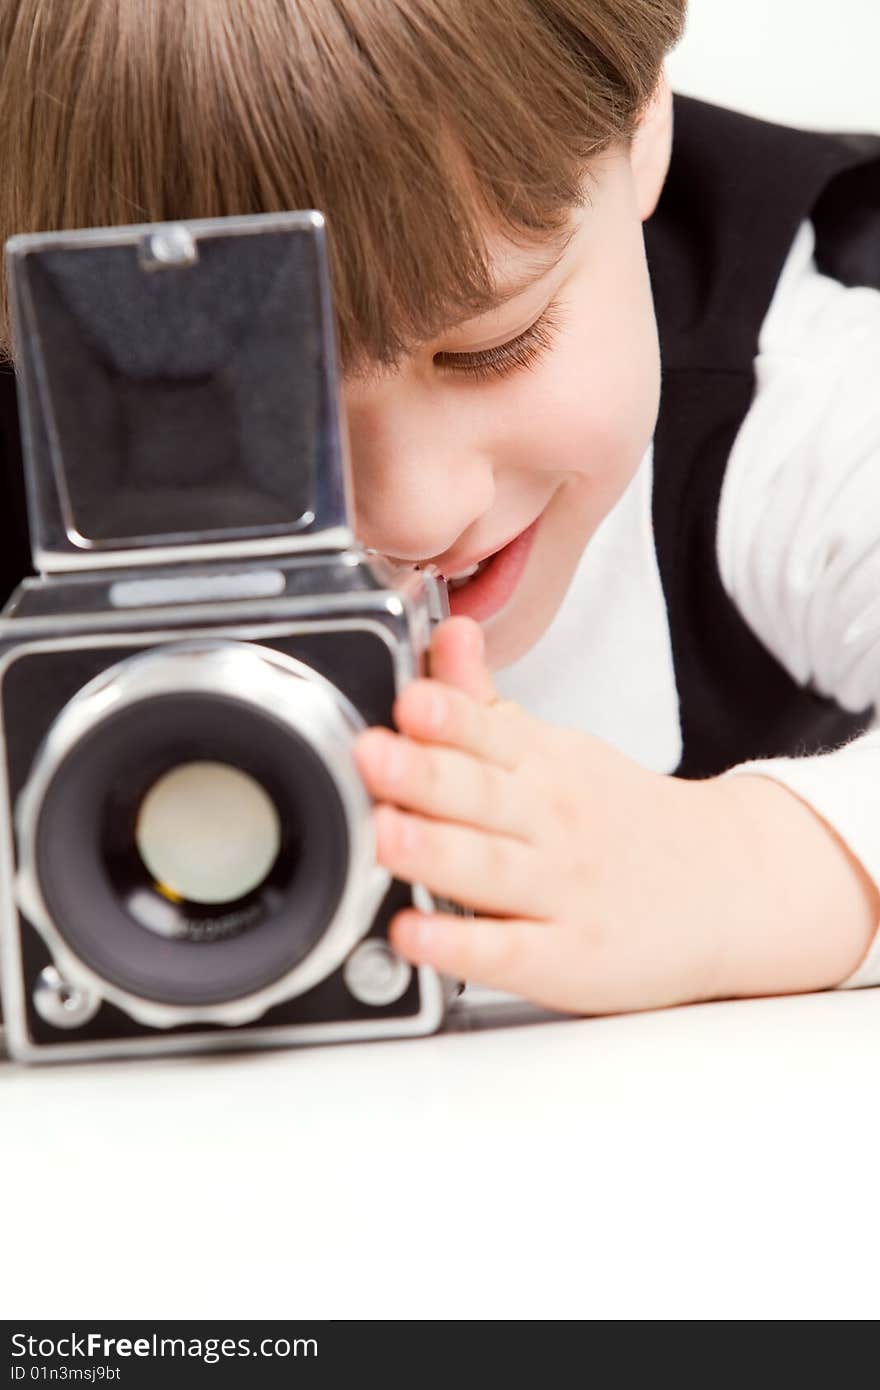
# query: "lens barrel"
x,y
84,879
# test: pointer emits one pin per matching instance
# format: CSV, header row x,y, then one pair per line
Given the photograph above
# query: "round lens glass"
x,y
207,833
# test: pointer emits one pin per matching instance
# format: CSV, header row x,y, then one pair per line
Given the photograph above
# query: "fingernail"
x,y
435,709
400,829
406,832
394,759
411,933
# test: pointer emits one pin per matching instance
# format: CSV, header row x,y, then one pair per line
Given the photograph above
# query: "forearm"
x,y
805,909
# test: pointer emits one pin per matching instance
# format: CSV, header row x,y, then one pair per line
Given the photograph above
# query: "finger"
x,y
442,783
456,658
519,956
429,710
476,868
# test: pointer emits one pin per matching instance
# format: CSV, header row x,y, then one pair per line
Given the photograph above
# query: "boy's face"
x,y
455,457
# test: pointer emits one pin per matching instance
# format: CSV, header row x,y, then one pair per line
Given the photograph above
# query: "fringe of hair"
x,y
410,124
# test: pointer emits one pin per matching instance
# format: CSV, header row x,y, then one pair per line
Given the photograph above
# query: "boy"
x,y
490,174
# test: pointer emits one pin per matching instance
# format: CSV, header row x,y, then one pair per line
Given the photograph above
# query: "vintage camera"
x,y
188,859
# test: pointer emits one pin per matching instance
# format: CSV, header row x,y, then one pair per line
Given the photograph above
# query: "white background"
x,y
807,62
716,1161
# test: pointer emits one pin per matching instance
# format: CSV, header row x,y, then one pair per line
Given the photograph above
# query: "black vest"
x,y
737,191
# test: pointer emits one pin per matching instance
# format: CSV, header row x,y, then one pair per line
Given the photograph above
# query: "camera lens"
x,y
195,828
225,939
207,832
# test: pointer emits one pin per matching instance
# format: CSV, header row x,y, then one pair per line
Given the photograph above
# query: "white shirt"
x,y
798,544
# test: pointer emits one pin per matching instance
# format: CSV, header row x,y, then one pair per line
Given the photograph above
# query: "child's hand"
x,y
598,883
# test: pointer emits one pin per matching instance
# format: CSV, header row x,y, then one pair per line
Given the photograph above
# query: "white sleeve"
x,y
799,534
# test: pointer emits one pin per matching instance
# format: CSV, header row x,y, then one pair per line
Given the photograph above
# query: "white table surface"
x,y
712,1161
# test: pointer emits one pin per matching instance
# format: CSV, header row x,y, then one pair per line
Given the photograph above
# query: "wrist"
x,y
805,908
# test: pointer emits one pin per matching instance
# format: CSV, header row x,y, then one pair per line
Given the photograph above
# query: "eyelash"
x,y
518,354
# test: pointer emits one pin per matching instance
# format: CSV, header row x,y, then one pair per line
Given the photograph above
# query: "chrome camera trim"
x,y
72,551
268,680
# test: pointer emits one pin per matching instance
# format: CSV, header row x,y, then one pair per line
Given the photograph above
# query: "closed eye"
x,y
517,354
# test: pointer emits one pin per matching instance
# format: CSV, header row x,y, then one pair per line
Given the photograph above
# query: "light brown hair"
x,y
121,111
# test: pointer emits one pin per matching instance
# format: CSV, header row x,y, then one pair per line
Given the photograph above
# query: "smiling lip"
x,y
487,592
450,568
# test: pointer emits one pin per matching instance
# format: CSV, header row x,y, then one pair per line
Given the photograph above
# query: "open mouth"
x,y
486,588
457,581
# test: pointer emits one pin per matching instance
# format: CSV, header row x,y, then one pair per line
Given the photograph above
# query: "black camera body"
x,y
188,858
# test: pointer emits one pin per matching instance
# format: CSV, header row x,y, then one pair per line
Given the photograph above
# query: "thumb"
x,y
457,658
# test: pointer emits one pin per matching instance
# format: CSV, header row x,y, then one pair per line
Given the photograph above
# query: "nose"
x,y
421,478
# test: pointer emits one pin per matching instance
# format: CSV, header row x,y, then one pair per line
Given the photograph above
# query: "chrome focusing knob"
x,y
374,974
61,1004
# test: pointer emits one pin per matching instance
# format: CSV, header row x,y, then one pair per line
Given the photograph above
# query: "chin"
x,y
514,632
549,572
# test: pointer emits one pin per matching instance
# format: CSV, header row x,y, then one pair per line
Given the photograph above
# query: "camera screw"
x,y
376,975
172,246
61,1004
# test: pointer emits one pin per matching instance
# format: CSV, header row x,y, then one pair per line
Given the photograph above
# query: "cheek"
x,y
591,406
614,366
